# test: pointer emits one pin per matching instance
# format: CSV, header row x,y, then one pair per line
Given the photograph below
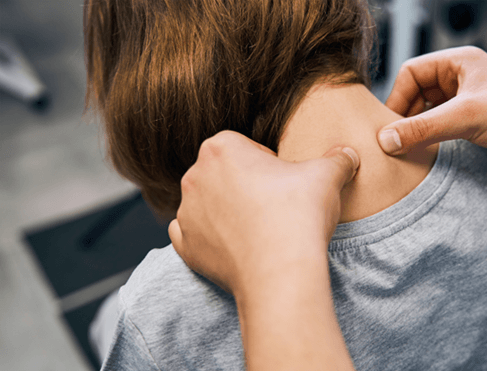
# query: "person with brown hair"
x,y
167,74
293,76
206,241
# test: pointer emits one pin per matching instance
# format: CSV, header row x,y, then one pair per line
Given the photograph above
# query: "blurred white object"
x,y
18,77
406,16
103,326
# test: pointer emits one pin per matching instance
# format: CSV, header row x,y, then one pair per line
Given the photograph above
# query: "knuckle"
x,y
187,182
405,76
470,54
405,67
223,138
473,50
178,214
404,71
217,145
209,148
225,135
409,64
172,230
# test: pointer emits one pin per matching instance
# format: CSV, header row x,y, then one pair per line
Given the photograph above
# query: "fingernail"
x,y
390,141
353,155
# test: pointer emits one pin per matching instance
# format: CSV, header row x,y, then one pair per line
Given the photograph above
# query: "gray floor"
x,y
51,166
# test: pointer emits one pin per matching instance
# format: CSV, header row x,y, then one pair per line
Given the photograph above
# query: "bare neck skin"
x,y
351,116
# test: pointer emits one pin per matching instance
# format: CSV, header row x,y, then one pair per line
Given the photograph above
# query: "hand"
x,y
259,227
454,83
245,213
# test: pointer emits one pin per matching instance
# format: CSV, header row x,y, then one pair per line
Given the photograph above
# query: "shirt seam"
x,y
347,243
127,315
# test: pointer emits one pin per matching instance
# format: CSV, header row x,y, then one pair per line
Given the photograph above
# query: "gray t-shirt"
x,y
409,285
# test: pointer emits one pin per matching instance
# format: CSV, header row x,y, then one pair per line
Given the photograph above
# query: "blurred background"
x,y
69,225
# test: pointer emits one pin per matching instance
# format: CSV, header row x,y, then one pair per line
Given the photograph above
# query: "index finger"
x,y
435,70
176,235
246,140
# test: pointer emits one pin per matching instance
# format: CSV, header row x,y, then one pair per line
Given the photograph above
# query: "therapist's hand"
x,y
259,227
246,215
454,83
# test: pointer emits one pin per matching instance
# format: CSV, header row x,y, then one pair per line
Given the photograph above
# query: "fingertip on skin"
x,y
390,141
348,156
349,152
353,155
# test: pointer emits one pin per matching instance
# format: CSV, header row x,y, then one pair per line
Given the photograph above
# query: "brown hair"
x,y
167,74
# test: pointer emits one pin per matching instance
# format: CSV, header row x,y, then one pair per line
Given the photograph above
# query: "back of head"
x,y
167,74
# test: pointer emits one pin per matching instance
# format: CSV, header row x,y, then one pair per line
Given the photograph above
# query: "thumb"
x,y
445,122
341,166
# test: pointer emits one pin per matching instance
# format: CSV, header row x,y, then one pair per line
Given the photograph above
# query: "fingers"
x,y
418,77
406,92
436,79
260,146
445,122
428,98
176,235
228,137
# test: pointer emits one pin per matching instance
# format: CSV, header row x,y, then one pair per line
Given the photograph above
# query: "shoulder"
x,y
182,318
128,350
464,208
472,155
162,279
471,164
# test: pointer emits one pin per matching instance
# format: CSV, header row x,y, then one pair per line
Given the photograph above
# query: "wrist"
x,y
288,264
288,321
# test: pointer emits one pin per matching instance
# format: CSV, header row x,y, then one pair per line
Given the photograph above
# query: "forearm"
x,y
303,336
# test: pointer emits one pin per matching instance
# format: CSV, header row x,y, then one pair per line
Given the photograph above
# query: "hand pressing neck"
x,y
350,116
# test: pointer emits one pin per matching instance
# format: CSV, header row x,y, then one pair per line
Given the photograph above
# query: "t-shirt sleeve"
x,y
170,318
128,351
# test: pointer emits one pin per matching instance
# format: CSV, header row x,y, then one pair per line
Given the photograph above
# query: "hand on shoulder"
x,y
245,212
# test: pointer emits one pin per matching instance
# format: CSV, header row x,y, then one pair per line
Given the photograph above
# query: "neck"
x,y
350,116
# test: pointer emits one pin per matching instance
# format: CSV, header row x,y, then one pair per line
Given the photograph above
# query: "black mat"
x,y
81,251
